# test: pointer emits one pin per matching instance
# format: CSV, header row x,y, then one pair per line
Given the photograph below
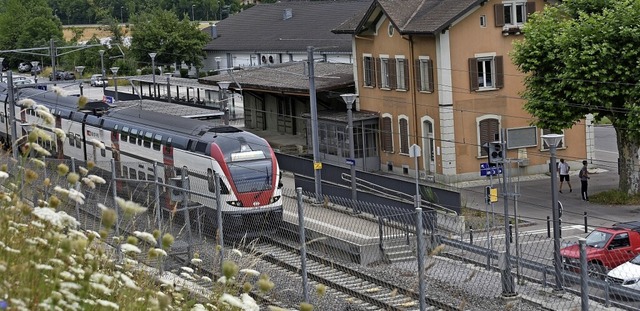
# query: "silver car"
x,y
96,80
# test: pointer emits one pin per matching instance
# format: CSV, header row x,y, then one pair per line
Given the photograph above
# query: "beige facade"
x,y
438,105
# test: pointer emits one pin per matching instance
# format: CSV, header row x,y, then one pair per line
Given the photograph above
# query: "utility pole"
x,y
12,111
52,46
317,166
508,289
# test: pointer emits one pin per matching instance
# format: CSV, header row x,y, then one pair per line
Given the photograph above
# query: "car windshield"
x,y
598,239
635,260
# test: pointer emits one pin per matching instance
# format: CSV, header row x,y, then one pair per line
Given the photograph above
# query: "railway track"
x,y
351,285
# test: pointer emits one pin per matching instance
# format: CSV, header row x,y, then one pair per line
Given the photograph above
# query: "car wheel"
x,y
596,270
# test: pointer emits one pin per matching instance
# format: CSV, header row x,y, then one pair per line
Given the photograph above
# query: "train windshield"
x,y
251,176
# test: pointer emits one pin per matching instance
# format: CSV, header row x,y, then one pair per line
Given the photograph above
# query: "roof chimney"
x,y
287,14
214,32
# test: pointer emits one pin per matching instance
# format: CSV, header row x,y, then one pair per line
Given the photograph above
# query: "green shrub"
x,y
184,73
614,197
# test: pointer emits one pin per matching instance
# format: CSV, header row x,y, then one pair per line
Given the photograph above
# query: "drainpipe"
x,y
413,78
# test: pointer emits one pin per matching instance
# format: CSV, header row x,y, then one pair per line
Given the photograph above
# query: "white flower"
x,y
70,285
43,267
249,303
46,116
66,275
60,133
250,272
101,277
39,149
128,282
130,207
206,279
83,171
129,248
42,108
231,300
88,182
59,219
102,207
145,236
97,179
159,252
4,175
196,261
26,102
39,163
237,252
187,276
187,269
93,234
97,143
101,288
222,279
76,196
108,304
198,307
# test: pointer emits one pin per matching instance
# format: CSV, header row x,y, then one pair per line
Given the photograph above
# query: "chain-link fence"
x,y
384,241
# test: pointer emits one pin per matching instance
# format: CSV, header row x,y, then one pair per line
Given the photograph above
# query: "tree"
x,y
581,57
174,40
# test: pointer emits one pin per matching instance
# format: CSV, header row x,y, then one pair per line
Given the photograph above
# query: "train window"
x,y
150,177
201,146
132,173
210,181
71,140
103,152
125,172
157,140
124,135
141,176
169,142
148,137
147,144
132,139
156,146
78,141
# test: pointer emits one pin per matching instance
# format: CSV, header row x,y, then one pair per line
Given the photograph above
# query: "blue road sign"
x,y
486,170
350,161
107,99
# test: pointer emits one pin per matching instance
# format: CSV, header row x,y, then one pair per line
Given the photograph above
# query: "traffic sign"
x,y
350,161
486,170
107,99
317,165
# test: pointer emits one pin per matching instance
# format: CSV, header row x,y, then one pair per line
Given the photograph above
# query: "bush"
x,y
615,197
184,73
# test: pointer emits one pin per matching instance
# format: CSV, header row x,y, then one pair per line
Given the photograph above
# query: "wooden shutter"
x,y
429,68
404,136
531,7
498,11
499,71
418,75
473,74
406,74
387,142
393,74
378,72
488,128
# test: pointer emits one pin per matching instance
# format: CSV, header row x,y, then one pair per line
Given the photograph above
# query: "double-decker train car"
x,y
187,149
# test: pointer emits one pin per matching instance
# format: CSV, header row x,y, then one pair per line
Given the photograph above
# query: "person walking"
x,y
584,177
563,171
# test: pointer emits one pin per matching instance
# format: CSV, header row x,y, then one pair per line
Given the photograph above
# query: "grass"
x,y
615,197
477,219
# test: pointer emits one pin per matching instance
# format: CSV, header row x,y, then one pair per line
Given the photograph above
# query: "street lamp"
x,y
192,16
153,69
80,69
349,99
115,79
102,68
1,74
224,85
121,19
552,140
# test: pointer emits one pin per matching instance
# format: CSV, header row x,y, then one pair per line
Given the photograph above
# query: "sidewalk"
x,y
534,201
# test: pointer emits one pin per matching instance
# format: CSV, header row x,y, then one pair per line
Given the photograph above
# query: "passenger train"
x,y
250,185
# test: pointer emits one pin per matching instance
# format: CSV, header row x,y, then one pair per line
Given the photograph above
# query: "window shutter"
x,y
406,75
378,72
393,75
498,11
418,75
404,136
499,72
473,74
387,143
531,7
429,68
488,128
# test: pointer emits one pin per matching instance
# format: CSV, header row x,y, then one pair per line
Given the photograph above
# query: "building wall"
x,y
245,59
453,107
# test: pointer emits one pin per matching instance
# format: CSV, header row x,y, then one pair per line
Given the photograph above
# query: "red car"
x,y
607,248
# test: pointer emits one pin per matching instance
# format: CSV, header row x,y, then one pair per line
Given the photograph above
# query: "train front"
x,y
251,188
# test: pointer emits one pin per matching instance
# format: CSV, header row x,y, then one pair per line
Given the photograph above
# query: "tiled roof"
x,y
263,29
413,16
288,77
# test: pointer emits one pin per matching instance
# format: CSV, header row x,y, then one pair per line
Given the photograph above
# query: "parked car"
x,y
63,75
607,248
626,274
96,80
22,80
24,67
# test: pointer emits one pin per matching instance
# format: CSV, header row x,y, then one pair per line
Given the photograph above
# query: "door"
x,y
428,149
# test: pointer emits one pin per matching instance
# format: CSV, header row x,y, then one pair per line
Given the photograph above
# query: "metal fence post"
x,y
114,192
303,245
420,246
76,187
185,206
584,278
158,209
219,218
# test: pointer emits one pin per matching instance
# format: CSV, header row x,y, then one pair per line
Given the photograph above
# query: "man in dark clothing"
x,y
584,177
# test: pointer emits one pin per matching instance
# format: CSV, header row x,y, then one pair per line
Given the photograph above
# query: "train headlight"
x,y
274,199
235,203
